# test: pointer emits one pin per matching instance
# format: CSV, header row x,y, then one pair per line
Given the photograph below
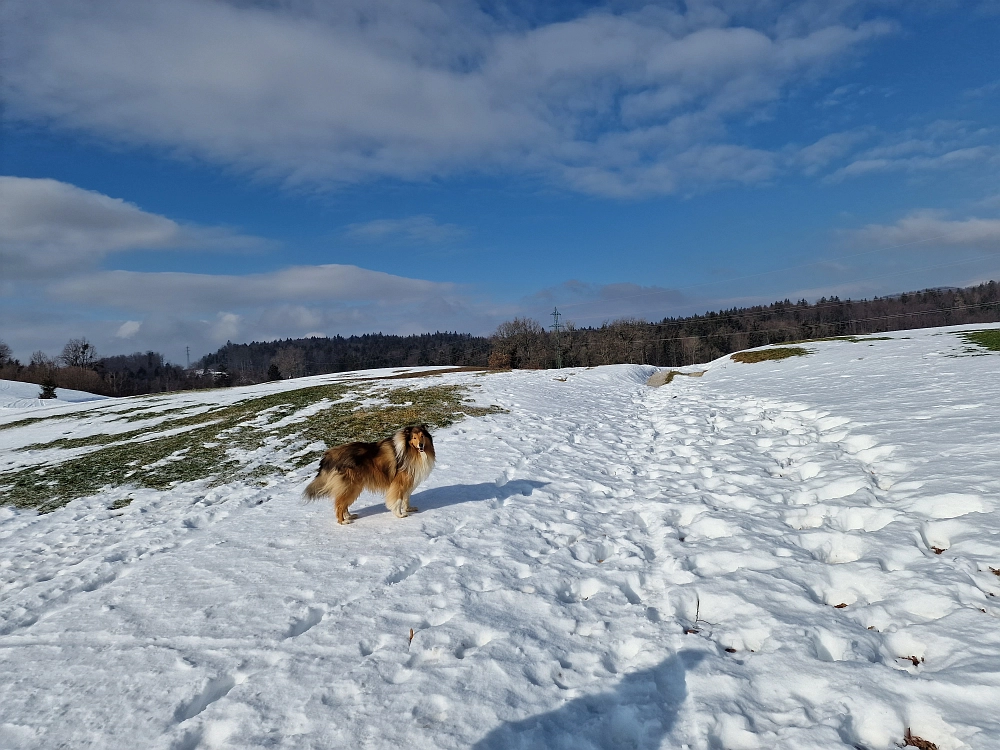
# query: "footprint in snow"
x,y
300,625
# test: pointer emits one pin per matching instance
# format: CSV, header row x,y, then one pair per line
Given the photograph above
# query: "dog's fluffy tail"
x,y
316,488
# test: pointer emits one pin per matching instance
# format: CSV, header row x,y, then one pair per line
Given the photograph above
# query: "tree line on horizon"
x,y
80,368
675,342
292,358
521,343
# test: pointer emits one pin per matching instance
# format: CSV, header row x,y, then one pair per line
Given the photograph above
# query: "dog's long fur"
x,y
393,466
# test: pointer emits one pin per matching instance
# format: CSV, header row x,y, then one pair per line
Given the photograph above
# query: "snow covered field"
x,y
22,396
789,554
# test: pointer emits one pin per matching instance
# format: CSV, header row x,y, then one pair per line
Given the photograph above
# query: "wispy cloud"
x,y
329,284
416,229
817,156
930,226
937,146
988,89
619,103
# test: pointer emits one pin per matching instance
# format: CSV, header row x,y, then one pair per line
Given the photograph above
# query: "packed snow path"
x,y
791,554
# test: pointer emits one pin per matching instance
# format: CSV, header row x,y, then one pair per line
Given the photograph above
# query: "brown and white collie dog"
x,y
393,466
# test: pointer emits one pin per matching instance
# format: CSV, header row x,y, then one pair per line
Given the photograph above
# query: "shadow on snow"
x,y
638,713
455,494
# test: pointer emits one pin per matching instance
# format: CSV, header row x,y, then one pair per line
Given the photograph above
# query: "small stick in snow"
x,y
697,616
411,638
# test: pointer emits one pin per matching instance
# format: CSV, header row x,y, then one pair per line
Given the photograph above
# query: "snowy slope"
x,y
17,395
792,554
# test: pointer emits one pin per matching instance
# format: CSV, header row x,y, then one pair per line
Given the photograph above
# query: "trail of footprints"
x,y
676,502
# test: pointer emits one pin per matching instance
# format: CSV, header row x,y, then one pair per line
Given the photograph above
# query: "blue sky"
x,y
185,173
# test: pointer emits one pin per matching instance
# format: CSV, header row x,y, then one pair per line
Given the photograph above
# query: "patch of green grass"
x,y
121,503
217,444
764,355
33,420
136,435
987,339
147,414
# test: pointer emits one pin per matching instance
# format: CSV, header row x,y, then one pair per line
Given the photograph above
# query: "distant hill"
x,y
701,338
250,363
671,342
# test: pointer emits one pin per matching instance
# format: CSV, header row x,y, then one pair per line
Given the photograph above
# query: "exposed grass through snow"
x,y
251,439
764,355
988,339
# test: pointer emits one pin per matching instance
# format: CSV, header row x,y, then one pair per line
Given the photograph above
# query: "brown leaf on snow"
x,y
911,740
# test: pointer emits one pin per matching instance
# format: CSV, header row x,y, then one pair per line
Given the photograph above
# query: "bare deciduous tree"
x,y
78,353
41,361
627,333
519,343
290,361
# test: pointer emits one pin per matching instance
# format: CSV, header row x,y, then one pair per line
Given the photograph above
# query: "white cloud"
x,y
625,103
226,326
419,229
167,291
128,329
52,228
53,234
956,159
936,146
928,226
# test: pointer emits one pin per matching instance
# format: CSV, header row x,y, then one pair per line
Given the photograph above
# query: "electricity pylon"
x,y
556,327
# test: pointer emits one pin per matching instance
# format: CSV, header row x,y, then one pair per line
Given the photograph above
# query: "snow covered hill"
x,y
798,553
21,396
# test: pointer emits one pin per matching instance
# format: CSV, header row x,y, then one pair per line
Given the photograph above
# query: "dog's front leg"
x,y
398,496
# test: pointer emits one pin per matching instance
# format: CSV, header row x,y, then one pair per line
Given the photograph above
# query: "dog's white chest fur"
x,y
421,468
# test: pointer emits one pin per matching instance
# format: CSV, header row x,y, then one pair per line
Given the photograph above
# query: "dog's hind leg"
x,y
407,508
344,499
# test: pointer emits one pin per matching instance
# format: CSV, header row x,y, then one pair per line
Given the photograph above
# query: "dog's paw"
x,y
352,516
345,521
412,509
